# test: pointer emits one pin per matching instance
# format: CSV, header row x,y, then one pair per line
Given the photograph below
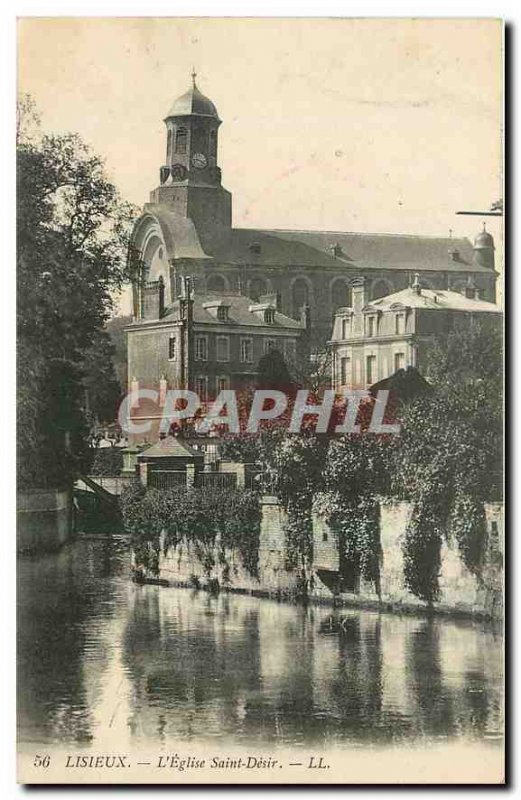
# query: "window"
x,y
222,383
170,135
172,348
399,361
181,140
269,316
399,323
346,328
370,370
247,351
299,297
215,284
212,143
269,344
291,350
222,313
340,295
345,372
371,326
223,348
201,348
201,387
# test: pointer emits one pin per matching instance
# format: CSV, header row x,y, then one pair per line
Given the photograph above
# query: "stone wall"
x,y
461,592
44,519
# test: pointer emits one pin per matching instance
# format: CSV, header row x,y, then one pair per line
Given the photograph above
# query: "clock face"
x,y
178,172
199,160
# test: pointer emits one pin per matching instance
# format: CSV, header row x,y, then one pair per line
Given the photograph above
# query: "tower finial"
x,y
194,76
484,226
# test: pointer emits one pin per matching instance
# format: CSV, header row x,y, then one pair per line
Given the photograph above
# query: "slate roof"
x,y
170,447
193,103
435,299
354,250
238,313
322,249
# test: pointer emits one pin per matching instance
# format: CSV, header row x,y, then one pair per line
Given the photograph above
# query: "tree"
x,y
449,457
72,233
273,372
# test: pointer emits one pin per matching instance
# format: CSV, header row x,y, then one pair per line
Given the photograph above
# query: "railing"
x,y
216,480
114,484
166,478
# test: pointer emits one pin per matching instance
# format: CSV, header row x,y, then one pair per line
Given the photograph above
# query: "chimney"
x,y
416,286
154,299
273,299
359,293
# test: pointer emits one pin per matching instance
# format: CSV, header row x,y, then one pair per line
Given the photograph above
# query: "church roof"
x,y
353,250
433,299
179,233
193,103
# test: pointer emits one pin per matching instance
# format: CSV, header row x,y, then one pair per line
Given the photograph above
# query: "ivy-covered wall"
x,y
461,591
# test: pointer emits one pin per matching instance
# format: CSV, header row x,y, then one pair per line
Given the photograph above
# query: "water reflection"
x,y
101,658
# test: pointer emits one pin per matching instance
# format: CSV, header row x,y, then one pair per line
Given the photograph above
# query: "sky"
x,y
328,124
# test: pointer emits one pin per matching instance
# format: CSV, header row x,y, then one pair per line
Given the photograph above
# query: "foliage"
x,y
101,386
200,517
272,371
449,459
107,461
72,230
356,474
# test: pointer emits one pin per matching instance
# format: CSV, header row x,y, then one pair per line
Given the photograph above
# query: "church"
x,y
185,233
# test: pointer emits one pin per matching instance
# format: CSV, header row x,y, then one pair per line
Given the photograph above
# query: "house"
x,y
373,339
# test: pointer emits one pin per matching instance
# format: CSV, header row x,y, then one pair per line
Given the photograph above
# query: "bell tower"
x,y
190,179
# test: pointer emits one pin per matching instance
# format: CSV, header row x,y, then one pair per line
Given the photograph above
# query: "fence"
x,y
216,480
166,478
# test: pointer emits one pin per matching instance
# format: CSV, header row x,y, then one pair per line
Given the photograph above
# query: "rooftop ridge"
x,y
358,233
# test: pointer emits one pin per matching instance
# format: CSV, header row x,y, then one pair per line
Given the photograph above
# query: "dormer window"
x,y
222,313
255,248
269,316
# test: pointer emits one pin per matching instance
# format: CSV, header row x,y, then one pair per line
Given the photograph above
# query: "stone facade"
x,y
372,340
44,519
461,592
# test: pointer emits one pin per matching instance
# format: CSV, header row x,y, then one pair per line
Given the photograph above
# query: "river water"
x,y
103,660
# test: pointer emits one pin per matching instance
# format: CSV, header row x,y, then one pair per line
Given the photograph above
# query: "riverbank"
x,y
326,581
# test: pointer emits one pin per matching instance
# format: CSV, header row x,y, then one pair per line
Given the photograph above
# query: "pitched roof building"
x,y
186,230
372,340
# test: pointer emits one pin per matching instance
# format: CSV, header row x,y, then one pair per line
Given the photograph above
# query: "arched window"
x,y
212,144
257,288
181,139
299,297
380,288
169,140
340,295
215,284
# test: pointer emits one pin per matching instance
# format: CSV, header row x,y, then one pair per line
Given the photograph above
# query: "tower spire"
x,y
194,76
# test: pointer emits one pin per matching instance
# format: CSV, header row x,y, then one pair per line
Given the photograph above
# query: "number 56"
x,y
41,761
